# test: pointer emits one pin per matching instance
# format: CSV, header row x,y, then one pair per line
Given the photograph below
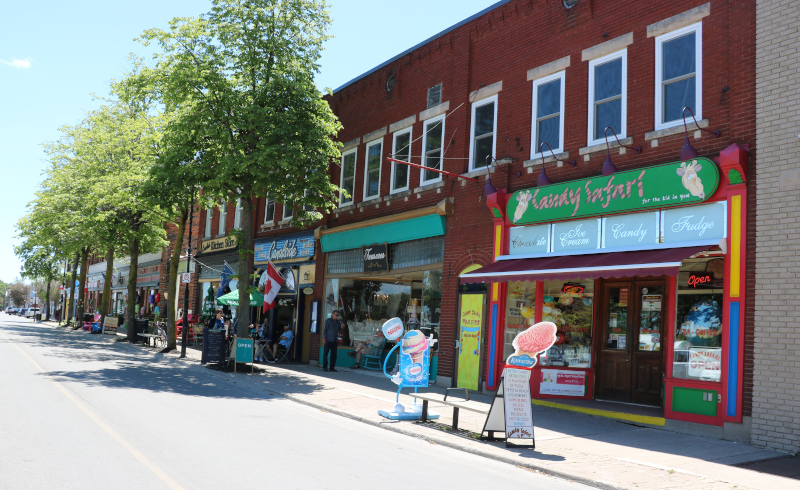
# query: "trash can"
x,y
38,317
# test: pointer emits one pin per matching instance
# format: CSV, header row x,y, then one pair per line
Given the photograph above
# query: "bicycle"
x,y
161,332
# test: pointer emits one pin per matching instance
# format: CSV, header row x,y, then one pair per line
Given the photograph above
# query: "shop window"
x,y
416,253
568,304
431,304
348,179
607,96
366,305
432,149
372,170
698,333
401,150
548,107
482,144
520,309
679,61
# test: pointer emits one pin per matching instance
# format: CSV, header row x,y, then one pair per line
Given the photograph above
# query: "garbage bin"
x,y
38,317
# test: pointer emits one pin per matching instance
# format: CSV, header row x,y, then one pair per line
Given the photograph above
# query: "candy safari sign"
x,y
660,186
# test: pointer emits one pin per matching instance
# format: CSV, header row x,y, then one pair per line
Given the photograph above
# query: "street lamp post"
x,y
185,336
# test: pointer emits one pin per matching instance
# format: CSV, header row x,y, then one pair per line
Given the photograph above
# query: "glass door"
x,y
647,351
613,359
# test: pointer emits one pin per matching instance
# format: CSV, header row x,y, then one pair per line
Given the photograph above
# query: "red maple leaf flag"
x,y
271,287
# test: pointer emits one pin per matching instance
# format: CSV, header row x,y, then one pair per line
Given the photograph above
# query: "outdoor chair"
x,y
283,352
374,360
198,333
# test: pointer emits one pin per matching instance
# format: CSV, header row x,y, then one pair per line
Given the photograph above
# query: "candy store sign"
x,y
289,249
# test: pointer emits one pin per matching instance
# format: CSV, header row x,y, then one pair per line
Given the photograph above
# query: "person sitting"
x,y
285,340
375,340
216,322
259,335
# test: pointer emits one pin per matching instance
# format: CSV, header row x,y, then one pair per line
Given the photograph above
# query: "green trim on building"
x,y
400,231
691,400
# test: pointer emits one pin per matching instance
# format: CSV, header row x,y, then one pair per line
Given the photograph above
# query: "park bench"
x,y
156,339
457,404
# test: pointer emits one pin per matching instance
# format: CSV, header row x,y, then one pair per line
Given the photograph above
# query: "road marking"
x,y
134,452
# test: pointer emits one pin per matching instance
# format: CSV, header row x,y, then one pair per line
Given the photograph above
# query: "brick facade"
x,y
501,46
776,343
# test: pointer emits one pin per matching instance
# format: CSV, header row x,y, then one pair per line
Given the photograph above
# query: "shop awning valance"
x,y
592,266
399,231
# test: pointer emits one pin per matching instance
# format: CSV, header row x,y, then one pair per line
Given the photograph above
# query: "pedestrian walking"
x,y
330,334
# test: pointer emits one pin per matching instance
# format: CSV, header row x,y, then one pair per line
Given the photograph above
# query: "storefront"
x,y
642,273
380,269
213,255
294,257
147,279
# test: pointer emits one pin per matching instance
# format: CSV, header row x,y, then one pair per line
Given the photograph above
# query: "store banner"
x,y
572,236
529,239
630,230
284,249
566,383
660,186
217,245
376,257
469,350
706,222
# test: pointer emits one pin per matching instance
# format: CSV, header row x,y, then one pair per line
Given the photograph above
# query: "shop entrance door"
x,y
470,339
630,357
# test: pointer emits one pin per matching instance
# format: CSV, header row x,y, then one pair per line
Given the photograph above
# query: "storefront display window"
x,y
568,304
698,333
431,304
650,319
520,310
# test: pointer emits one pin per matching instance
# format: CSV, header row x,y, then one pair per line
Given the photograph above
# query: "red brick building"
x,y
502,82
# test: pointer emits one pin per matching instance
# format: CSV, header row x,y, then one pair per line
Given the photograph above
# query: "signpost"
x,y
186,278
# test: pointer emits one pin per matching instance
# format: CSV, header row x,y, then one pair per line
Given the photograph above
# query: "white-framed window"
x,y
482,132
237,216
209,217
372,170
679,75
608,91
548,114
223,217
348,177
288,210
269,210
432,140
401,150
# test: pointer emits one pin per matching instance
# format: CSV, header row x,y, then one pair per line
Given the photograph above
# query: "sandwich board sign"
x,y
511,411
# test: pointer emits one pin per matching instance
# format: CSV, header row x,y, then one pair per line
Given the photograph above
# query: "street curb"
x,y
191,364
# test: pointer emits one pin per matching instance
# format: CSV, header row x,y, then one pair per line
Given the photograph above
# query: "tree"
x,y
239,80
18,293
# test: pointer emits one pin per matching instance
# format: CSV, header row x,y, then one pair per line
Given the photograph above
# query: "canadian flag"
x,y
271,287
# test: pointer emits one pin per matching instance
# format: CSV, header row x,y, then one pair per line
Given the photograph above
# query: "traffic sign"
x,y
186,277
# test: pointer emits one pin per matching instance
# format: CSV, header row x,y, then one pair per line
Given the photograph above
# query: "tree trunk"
x,y
71,303
130,318
82,286
47,304
105,303
174,263
245,265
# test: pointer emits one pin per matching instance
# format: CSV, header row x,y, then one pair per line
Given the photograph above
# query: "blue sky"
x,y
54,55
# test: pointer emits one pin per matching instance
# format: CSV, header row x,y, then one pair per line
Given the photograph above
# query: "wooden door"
x,y
630,353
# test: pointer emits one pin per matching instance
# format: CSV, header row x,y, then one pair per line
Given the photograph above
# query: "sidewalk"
x,y
591,450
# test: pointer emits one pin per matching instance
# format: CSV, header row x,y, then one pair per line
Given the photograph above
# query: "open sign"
x,y
699,279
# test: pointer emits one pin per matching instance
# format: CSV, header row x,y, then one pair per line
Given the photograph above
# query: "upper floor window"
x,y
679,60
432,139
237,216
288,210
269,210
223,217
607,95
548,110
482,144
348,178
209,217
401,150
372,170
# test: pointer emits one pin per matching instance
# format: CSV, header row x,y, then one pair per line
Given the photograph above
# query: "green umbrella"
x,y
208,304
232,298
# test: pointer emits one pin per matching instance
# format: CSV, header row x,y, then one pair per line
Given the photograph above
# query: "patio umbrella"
x,y
232,298
208,304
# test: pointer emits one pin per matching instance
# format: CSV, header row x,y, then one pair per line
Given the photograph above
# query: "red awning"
x,y
613,264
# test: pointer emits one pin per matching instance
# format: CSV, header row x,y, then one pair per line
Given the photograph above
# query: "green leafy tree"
x,y
239,80
18,293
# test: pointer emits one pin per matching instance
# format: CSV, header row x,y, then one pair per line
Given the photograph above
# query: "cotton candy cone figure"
x,y
532,342
271,287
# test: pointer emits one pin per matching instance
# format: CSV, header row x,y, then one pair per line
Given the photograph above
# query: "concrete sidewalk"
x,y
591,450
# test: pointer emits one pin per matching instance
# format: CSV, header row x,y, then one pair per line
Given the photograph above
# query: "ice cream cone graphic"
x,y
415,344
531,342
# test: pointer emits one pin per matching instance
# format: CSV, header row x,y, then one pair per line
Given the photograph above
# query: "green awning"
x,y
399,231
232,298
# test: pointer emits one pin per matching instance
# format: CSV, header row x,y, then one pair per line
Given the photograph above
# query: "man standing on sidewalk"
x,y
330,334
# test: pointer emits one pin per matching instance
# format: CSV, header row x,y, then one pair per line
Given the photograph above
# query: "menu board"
x,y
214,346
517,401
110,325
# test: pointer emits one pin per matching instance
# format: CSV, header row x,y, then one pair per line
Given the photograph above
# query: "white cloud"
x,y
17,63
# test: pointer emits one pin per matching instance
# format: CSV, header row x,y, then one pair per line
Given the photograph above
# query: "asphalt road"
x,y
80,412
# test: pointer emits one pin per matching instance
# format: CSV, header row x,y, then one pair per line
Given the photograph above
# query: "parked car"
x,y
32,312
22,311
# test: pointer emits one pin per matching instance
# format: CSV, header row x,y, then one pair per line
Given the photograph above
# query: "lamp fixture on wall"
x,y
543,178
688,152
608,166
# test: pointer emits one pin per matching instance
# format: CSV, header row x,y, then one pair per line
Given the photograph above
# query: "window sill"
x,y
221,235
602,146
677,129
397,195
268,225
547,159
480,172
428,187
346,207
375,201
284,221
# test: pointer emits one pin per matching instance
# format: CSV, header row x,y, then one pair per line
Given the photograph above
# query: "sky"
x,y
55,55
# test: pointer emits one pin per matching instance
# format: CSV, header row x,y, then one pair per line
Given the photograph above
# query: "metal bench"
x,y
156,339
458,404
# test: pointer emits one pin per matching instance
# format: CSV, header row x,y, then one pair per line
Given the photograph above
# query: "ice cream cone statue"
x,y
415,344
528,344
